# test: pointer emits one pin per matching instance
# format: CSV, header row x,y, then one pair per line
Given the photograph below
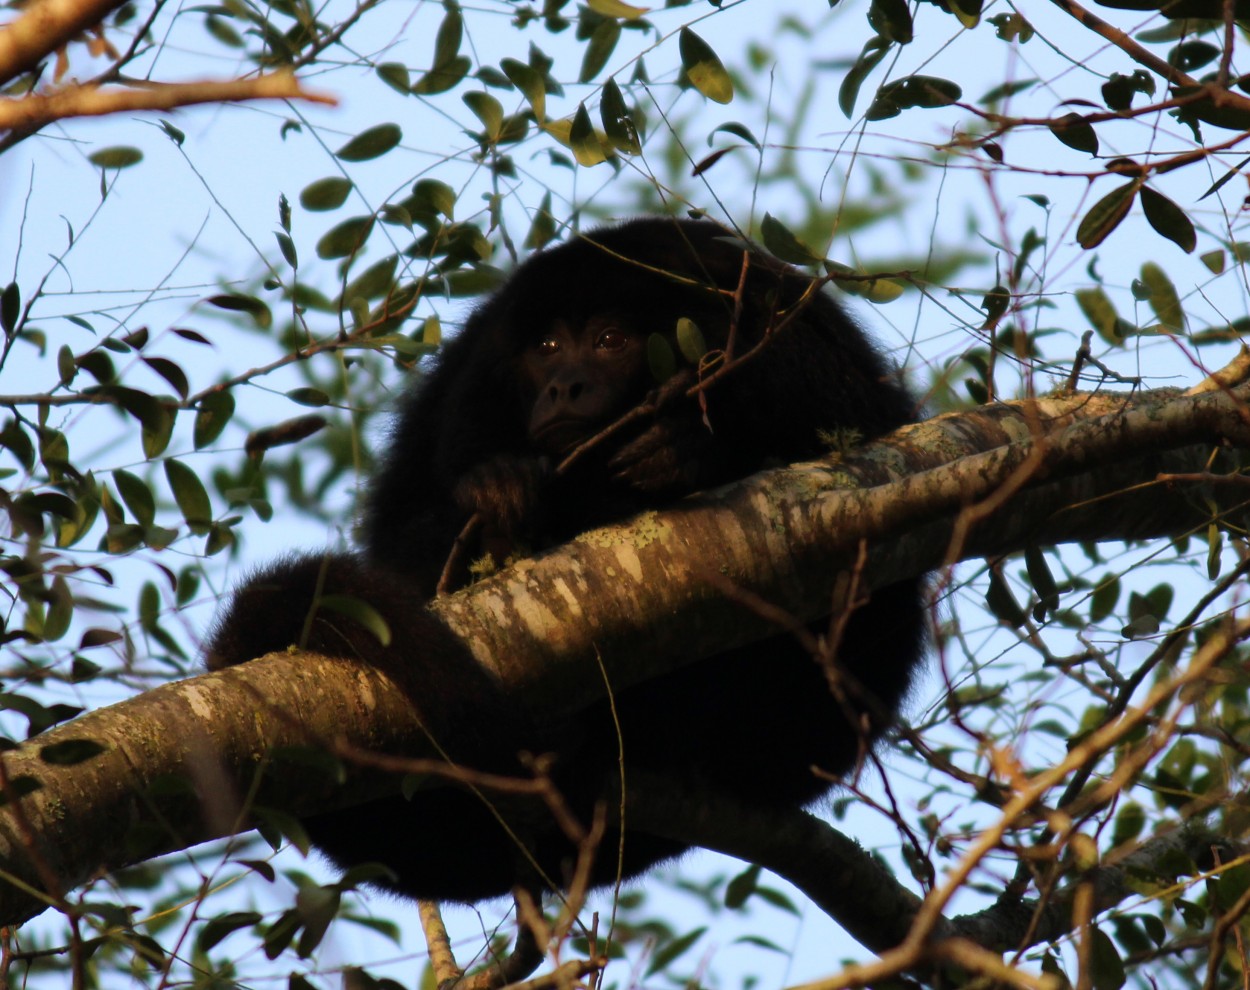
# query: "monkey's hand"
x,y
677,452
503,491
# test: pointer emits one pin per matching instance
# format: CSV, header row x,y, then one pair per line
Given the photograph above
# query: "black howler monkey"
x,y
554,356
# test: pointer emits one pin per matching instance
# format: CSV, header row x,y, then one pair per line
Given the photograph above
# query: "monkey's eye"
x,y
548,345
611,339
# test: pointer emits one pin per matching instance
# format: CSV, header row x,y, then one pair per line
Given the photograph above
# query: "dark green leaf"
x,y
224,924
602,44
374,142
781,241
137,496
211,416
325,194
874,51
1105,215
891,19
116,157
10,307
171,372
254,308
395,75
1163,297
923,92
1168,219
1073,131
190,495
346,238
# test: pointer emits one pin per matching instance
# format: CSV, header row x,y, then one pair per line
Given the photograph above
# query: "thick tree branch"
x,y
1077,467
43,27
38,109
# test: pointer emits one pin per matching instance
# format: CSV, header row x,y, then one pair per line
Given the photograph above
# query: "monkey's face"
x,y
582,377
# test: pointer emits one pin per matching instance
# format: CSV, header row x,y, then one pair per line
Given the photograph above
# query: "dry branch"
x,y
30,113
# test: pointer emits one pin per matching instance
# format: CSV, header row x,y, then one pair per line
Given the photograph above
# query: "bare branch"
x,y
89,100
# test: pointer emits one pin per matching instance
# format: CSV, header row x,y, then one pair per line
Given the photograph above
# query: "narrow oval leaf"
x,y
395,75
891,19
583,141
488,110
530,82
781,241
874,51
211,416
1105,215
704,68
345,239
690,340
254,308
600,48
325,194
614,8
137,496
660,358
1163,297
617,124
1073,131
191,496
372,143
116,157
1168,219
171,372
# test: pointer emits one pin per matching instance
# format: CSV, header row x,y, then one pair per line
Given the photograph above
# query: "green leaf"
x,y
737,130
395,75
488,110
660,358
287,247
922,92
137,496
617,124
1162,296
583,141
602,44
345,239
119,157
1105,215
308,396
891,19
615,8
211,416
669,952
225,924
530,82
543,227
374,142
1168,219
191,496
690,340
1073,130
171,372
325,194
10,307
704,68
254,308
1100,311
874,51
781,241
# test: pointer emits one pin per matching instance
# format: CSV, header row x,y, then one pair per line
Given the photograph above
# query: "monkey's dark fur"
x,y
550,359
